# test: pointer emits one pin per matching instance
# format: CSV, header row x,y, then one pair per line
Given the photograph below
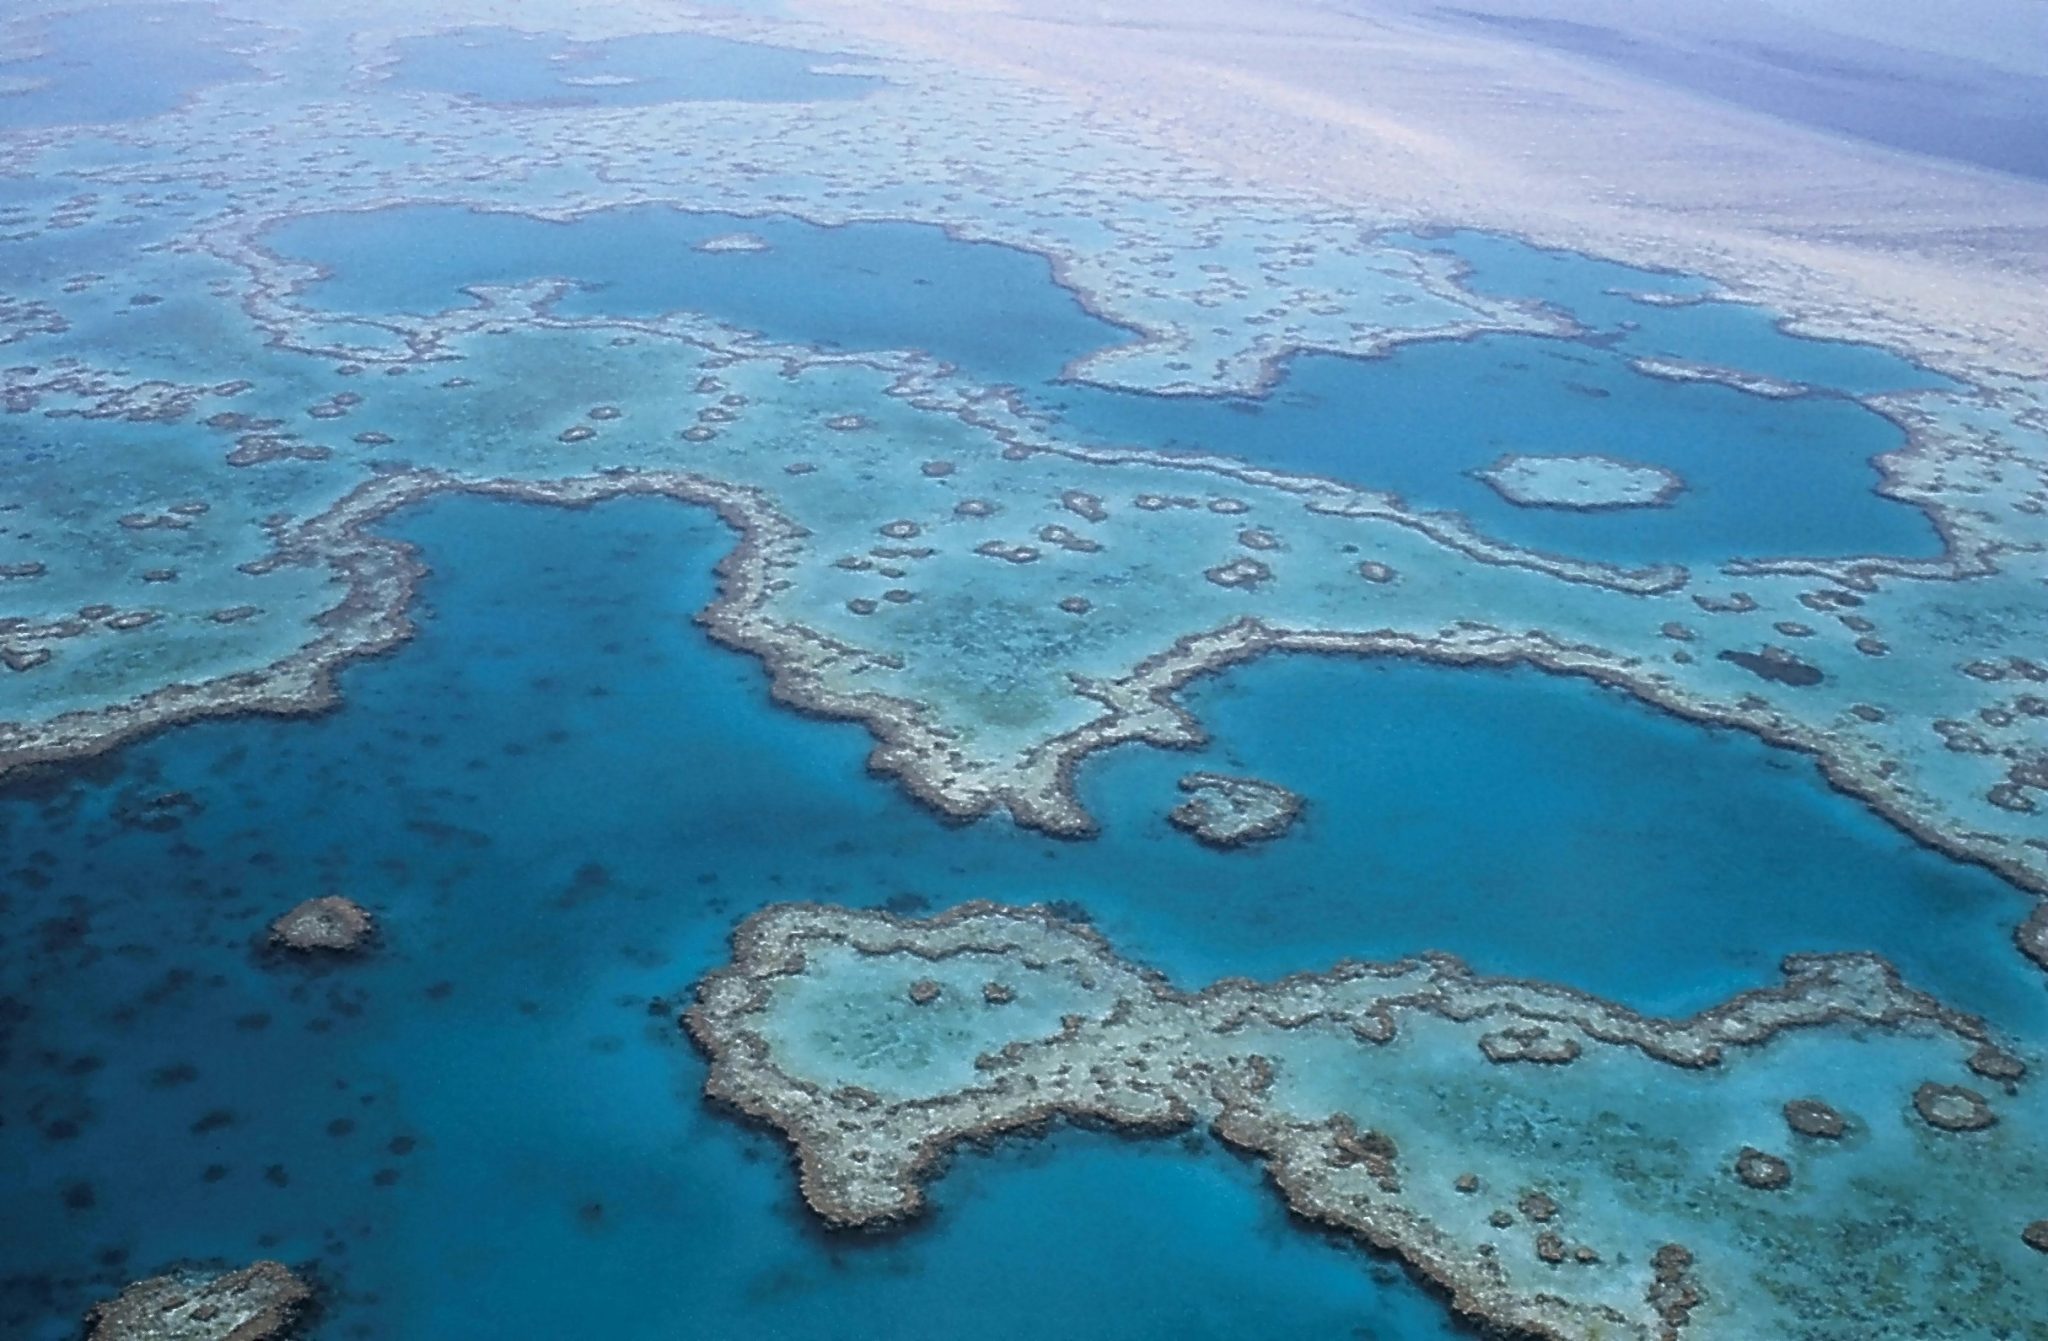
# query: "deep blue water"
x,y
1542,827
119,63
1416,423
560,797
510,67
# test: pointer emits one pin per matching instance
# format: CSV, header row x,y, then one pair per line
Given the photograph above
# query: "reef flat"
x,y
1588,482
1559,1166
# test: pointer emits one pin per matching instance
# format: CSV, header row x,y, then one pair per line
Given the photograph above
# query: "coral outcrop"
x,y
255,1303
330,924
1225,811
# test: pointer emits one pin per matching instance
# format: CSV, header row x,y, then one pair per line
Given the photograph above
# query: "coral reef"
x,y
733,242
1953,1108
330,924
321,417
1583,483
1811,1117
1765,1172
2032,935
1372,1097
1751,383
1225,811
255,1303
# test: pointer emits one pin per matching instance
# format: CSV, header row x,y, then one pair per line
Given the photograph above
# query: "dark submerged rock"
x,y
1765,1172
1811,1117
1776,665
1953,1108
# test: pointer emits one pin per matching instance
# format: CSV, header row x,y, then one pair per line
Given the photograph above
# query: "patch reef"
x,y
1582,483
1376,1095
255,1303
1224,811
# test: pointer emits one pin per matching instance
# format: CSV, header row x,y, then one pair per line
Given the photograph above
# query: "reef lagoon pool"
x,y
510,67
1420,422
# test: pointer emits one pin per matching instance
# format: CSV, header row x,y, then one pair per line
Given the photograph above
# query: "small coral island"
x,y
1587,483
1226,811
1558,1165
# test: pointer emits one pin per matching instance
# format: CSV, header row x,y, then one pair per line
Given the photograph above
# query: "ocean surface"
x,y
1417,422
560,797
115,63
510,67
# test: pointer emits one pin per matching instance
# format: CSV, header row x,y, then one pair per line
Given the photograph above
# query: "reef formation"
x,y
1559,1166
979,651
260,1302
1225,811
856,621
2032,936
330,924
1583,483
996,595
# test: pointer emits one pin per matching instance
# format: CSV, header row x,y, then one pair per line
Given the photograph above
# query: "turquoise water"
x,y
1416,423
560,797
864,286
1420,422
510,67
119,63
1738,335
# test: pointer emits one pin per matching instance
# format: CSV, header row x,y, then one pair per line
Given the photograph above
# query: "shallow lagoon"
x,y
1420,422
510,67
117,63
1415,423
1603,296
864,286
560,797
